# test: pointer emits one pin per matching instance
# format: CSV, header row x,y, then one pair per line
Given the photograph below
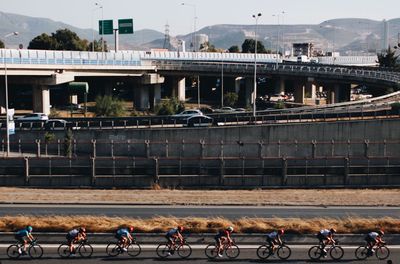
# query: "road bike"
x,y
334,250
381,252
182,248
84,249
34,250
282,251
114,249
231,250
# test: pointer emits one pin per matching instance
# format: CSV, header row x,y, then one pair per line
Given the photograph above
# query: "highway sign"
x,y
106,27
125,26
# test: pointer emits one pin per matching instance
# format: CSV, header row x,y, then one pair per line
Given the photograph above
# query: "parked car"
x,y
55,124
33,117
199,121
225,110
188,113
240,110
71,106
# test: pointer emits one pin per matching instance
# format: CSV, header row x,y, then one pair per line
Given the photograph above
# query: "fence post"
x,y
279,148
182,149
37,147
202,150
58,147
314,149
384,148
112,148
93,167
166,148
366,148
19,147
156,178
346,171
94,148
221,153
261,149
332,148
147,143
348,148
222,171
26,168
284,171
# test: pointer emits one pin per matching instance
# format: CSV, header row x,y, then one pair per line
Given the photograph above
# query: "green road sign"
x,y
125,26
106,27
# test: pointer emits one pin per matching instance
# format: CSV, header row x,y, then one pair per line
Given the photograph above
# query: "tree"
x,y
107,106
231,99
2,46
97,46
207,47
249,44
43,42
388,59
234,49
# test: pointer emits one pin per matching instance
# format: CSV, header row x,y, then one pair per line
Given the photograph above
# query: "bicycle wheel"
x,y
112,249
211,251
134,250
232,251
336,252
35,251
315,253
63,251
163,250
12,252
284,252
361,252
184,250
382,252
85,250
263,252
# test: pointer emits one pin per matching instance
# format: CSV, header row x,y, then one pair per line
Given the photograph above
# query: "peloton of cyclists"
x,y
124,237
374,238
74,236
325,237
274,238
23,236
172,235
223,236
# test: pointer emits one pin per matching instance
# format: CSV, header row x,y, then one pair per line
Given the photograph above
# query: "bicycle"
x,y
231,250
282,251
114,249
335,251
15,251
84,249
381,252
183,249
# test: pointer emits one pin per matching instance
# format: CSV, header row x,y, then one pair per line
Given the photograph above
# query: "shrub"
x,y
108,106
230,99
169,107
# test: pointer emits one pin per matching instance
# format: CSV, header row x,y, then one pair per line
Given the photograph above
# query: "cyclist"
x,y
274,238
124,237
172,235
325,236
74,236
374,238
22,236
222,237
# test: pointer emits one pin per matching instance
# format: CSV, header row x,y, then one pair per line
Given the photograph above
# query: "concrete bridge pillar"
x,y
155,95
178,88
141,97
2,100
249,88
148,92
238,81
280,86
299,92
41,99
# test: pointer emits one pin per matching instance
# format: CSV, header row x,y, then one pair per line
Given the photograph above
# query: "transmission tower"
x,y
167,43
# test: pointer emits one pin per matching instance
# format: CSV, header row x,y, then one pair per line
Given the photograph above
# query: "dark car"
x,y
199,121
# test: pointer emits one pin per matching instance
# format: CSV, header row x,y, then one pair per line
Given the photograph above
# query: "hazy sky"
x,y
154,14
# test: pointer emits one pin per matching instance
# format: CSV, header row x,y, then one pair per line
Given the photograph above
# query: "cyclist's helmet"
x,y
333,230
381,233
131,229
230,229
29,228
82,230
180,228
281,232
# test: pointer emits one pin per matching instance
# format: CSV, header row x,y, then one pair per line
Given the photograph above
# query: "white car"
x,y
188,113
225,109
33,117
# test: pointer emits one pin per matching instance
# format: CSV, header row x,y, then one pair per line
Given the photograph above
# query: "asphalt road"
x,y
231,212
247,255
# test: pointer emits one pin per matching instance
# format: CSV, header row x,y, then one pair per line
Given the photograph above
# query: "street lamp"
x,y
277,40
98,6
102,25
6,93
222,80
194,24
256,17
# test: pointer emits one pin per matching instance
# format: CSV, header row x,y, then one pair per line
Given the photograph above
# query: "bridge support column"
x,y
155,95
249,88
41,99
178,88
2,100
148,92
141,97
237,84
280,86
299,92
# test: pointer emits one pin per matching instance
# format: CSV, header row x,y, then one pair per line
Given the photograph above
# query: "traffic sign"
x,y
106,27
125,26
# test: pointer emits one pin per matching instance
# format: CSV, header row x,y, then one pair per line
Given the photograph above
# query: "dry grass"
x,y
199,225
343,197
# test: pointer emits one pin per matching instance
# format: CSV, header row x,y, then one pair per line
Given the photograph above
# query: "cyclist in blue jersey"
x,y
23,236
374,238
74,236
172,235
274,238
124,237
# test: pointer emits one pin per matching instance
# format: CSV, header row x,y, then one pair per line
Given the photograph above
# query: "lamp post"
x,y
194,41
6,94
98,6
277,39
256,17
222,80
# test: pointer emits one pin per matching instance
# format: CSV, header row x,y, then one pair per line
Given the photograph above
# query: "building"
x,y
302,49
